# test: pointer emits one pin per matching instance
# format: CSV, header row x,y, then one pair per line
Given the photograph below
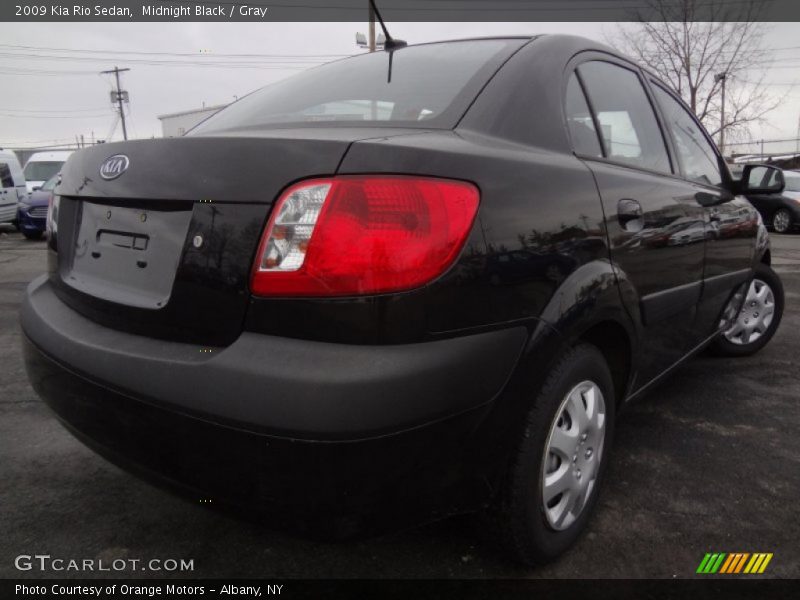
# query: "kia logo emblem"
x,y
114,166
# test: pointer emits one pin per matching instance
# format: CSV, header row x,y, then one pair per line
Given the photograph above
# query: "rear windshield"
x,y
431,86
42,170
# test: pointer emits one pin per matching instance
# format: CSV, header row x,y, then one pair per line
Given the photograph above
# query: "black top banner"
x,y
400,10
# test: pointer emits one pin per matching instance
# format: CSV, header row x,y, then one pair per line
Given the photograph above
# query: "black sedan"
x,y
780,210
397,287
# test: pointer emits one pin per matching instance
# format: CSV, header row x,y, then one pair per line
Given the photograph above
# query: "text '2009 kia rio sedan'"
x,y
399,287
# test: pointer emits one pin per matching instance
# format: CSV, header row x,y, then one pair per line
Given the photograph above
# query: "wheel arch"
x,y
614,343
589,307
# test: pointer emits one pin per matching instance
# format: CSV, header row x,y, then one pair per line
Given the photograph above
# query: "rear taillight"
x,y
362,234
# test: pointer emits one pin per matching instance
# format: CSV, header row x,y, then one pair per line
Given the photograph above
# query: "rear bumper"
x,y
336,435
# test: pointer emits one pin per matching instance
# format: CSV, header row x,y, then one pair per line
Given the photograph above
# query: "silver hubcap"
x,y
780,222
755,316
574,452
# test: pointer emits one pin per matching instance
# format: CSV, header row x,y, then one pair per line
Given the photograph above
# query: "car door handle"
x,y
628,212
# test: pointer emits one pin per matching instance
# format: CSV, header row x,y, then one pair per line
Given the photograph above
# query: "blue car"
x,y
32,212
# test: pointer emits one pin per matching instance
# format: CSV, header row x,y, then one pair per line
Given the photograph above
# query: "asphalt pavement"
x,y
708,462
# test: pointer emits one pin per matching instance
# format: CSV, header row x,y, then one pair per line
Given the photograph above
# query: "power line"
x,y
196,58
187,54
65,110
18,116
8,144
21,146
26,56
277,65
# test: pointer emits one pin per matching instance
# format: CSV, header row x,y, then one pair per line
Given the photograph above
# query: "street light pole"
x,y
722,77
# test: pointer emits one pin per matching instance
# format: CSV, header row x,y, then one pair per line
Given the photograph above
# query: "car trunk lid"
x,y
165,247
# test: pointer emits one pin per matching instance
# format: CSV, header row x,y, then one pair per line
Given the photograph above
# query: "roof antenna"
x,y
391,44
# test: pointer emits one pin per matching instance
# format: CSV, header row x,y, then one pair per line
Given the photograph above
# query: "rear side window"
x,y
628,125
5,176
579,121
697,156
431,86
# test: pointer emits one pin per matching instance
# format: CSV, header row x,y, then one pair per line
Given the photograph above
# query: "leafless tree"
x,y
694,41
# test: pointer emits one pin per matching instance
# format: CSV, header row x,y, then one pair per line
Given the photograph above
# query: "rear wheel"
x,y
552,482
753,326
781,221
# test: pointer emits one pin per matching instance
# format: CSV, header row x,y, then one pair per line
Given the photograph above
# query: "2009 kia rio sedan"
x,y
398,287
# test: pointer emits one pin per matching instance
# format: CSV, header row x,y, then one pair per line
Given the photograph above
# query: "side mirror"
x,y
708,200
761,179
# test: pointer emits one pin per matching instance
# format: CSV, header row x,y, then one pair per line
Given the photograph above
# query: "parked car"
x,y
288,308
792,181
41,166
12,181
780,210
32,211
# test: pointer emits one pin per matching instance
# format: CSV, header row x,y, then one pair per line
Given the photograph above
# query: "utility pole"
x,y
119,94
722,77
371,28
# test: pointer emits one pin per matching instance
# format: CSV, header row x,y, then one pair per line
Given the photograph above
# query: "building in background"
x,y
177,124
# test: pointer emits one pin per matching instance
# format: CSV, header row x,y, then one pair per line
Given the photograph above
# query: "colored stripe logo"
x,y
734,563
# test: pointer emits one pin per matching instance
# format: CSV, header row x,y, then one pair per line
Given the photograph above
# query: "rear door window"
x,y
628,126
698,159
579,121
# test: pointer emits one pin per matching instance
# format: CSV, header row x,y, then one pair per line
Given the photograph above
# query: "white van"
x,y
43,165
13,188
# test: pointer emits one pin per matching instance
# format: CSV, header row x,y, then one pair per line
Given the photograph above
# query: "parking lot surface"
x,y
708,462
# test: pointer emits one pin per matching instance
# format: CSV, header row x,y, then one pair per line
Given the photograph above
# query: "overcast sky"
x,y
50,100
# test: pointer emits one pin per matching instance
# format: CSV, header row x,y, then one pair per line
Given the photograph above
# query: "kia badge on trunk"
x,y
114,166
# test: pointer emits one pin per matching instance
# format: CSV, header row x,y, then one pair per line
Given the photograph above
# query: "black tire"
x,y
781,221
32,235
517,516
722,346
